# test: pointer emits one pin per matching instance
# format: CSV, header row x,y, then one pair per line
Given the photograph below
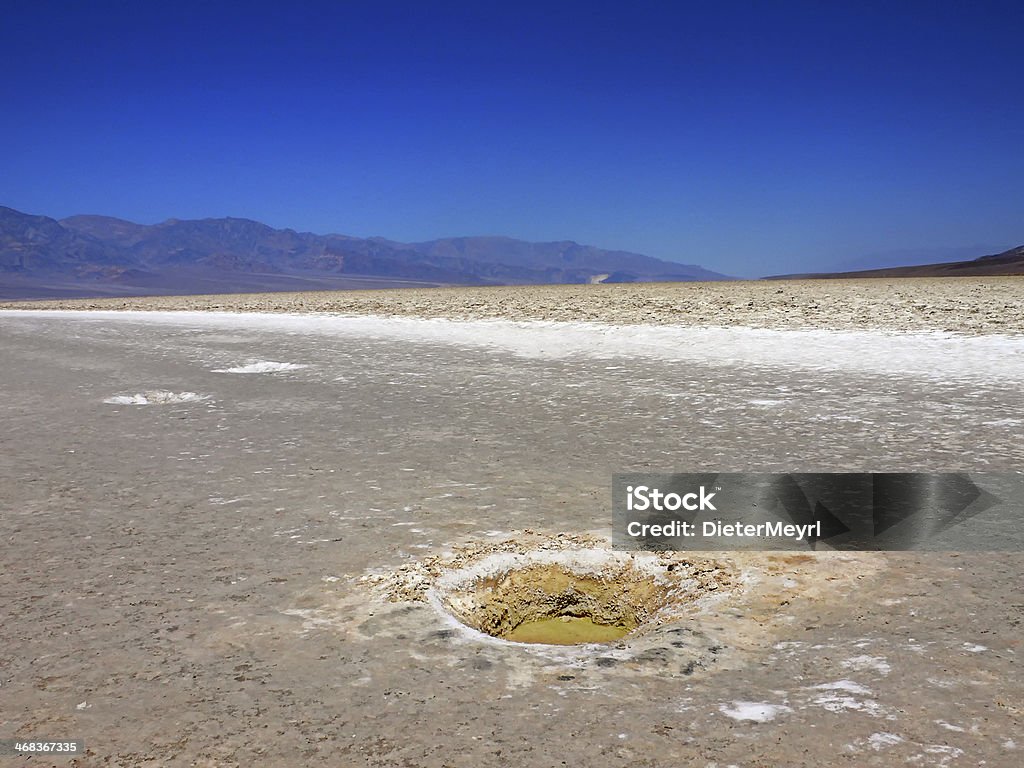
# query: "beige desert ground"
x,y
262,539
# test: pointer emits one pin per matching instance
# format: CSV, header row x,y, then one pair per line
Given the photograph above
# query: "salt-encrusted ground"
x,y
961,305
233,577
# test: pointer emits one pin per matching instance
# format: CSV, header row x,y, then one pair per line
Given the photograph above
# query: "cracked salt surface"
x,y
375,648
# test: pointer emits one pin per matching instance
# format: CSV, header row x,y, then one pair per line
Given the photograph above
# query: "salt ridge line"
x,y
929,354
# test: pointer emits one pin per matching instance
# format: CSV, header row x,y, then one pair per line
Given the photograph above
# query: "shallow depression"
x,y
551,603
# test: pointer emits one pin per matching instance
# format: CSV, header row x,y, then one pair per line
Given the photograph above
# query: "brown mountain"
x,y
37,244
1008,263
100,255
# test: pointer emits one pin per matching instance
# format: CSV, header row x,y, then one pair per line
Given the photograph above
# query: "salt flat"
x,y
959,305
229,578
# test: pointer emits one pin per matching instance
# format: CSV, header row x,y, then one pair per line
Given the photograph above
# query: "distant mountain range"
x,y
41,257
910,257
1007,263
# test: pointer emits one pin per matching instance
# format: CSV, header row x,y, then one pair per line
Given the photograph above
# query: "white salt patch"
x,y
949,726
974,648
313,619
844,685
936,354
879,741
949,753
754,711
156,397
127,400
839,697
220,500
835,703
873,663
264,366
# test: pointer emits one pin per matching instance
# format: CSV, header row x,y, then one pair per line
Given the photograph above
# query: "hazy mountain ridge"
x,y
38,243
40,256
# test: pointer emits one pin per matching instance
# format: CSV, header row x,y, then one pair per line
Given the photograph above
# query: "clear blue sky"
x,y
751,138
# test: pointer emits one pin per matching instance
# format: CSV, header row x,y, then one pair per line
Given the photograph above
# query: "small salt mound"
x,y
157,397
753,711
264,366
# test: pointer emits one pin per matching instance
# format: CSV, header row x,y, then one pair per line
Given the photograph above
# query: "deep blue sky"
x,y
752,138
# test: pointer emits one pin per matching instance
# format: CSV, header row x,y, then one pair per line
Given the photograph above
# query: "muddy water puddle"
x,y
566,630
